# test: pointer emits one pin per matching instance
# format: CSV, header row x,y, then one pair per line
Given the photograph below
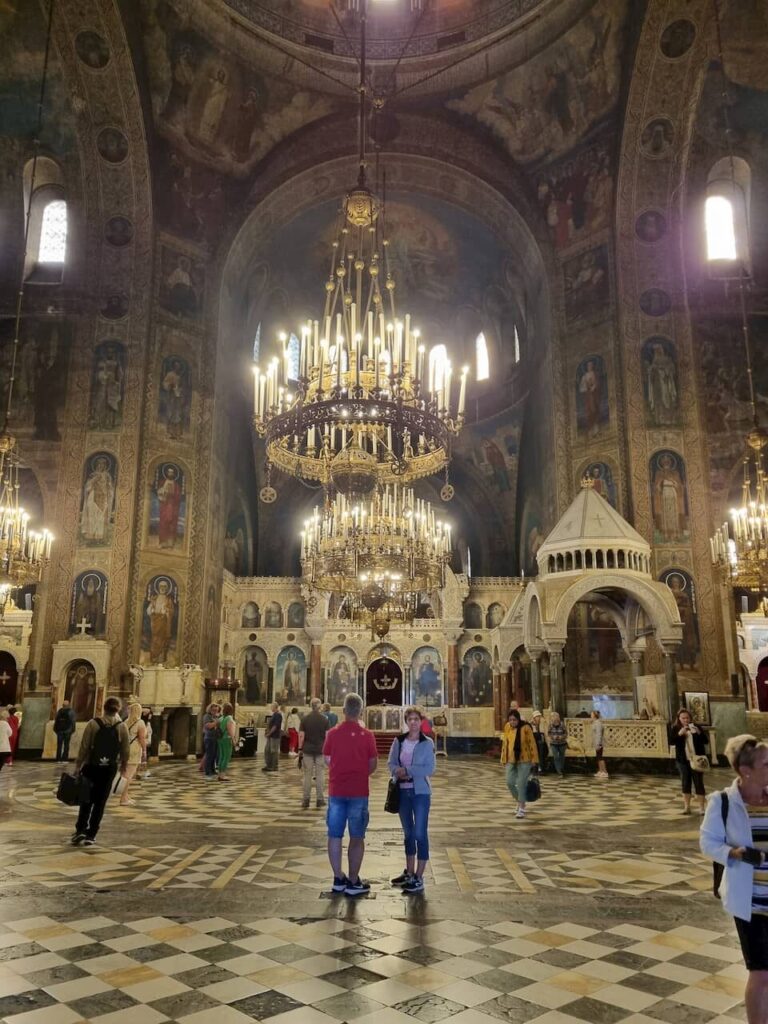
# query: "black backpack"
x,y
105,751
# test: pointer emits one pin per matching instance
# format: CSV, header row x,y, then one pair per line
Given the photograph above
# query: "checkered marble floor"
x,y
177,792
326,969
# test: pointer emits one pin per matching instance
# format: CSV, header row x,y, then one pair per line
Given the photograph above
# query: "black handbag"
x,y
392,803
532,790
73,790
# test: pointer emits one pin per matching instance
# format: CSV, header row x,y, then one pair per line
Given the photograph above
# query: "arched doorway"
x,y
9,678
384,682
761,684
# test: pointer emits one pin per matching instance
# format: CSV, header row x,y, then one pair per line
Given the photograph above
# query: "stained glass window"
x,y
53,233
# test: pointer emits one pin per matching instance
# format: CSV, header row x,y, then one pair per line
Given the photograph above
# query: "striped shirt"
x,y
758,820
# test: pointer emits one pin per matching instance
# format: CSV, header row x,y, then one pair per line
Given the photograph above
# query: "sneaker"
x,y
147,775
414,885
602,775
358,888
520,813
77,838
401,879
339,884
87,841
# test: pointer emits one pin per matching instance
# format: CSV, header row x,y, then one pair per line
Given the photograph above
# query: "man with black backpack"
x,y
64,727
104,751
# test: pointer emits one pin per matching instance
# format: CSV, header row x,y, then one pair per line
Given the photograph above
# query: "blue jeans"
x,y
517,779
209,754
414,816
558,756
347,810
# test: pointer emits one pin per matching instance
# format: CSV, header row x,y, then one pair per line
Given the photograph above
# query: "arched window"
x,y
47,231
481,357
293,357
53,232
516,340
726,215
257,343
438,359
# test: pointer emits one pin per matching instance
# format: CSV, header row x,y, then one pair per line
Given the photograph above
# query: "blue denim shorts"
x,y
347,810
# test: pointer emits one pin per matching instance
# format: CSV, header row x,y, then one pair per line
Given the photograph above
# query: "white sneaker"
x,y
602,775
520,813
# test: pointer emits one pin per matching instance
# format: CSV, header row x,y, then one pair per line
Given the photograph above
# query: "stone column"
x,y
497,723
315,671
506,693
536,693
670,678
453,675
557,694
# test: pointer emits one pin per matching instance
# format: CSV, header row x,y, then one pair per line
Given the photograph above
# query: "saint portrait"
x,y
97,504
182,281
88,604
107,386
677,38
40,378
115,306
112,145
118,231
655,302
587,285
342,675
473,615
291,676
651,226
494,615
273,615
80,689
251,617
92,50
236,544
591,395
168,506
427,677
477,678
660,387
160,622
669,498
295,615
175,396
684,592
255,675
601,475
656,140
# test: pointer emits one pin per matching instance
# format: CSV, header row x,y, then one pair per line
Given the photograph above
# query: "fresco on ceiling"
x,y
724,390
194,201
660,382
175,396
236,556
107,386
210,104
42,369
540,109
586,281
494,447
575,194
669,498
592,410
182,284
684,592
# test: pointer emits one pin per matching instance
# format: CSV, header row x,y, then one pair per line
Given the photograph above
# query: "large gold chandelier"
x,y
23,552
740,549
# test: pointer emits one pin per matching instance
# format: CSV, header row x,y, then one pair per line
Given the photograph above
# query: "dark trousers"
x,y
91,813
690,779
62,745
209,756
3,759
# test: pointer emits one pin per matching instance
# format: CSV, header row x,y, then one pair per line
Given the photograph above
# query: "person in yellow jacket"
x,y
519,753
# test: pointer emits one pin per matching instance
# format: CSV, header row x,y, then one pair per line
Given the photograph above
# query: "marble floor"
x,y
210,902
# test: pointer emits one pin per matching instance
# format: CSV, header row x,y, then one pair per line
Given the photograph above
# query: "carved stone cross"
x,y
4,678
83,626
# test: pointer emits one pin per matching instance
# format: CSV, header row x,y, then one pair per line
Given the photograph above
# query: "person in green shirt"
x,y
226,742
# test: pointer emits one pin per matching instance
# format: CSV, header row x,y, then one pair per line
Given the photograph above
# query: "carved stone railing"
x,y
625,738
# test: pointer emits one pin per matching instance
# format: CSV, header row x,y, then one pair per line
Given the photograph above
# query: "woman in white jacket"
x,y
741,846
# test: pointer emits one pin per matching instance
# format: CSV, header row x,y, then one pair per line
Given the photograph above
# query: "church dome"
x,y
591,535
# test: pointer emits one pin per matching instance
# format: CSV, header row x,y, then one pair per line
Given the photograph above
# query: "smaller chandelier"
x,y
379,551
740,548
23,552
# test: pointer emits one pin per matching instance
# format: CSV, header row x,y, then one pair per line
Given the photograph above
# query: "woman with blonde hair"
x,y
411,762
137,734
734,833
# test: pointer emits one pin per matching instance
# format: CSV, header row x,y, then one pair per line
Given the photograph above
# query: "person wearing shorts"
x,y
350,754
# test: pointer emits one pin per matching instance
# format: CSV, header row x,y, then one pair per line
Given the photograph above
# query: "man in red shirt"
x,y
351,756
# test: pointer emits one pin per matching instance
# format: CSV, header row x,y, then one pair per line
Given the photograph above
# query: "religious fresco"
x,y
97,503
587,284
593,654
532,536
684,592
250,617
236,558
115,306
669,498
677,38
494,447
494,615
175,396
427,677
273,615
254,676
31,497
92,49
660,382
168,506
601,475
539,109
724,388
182,284
473,615
592,411
80,689
211,632
112,145
575,194
342,675
107,386
118,232
210,104
477,679
295,615
657,138
42,371
88,604
160,622
291,676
